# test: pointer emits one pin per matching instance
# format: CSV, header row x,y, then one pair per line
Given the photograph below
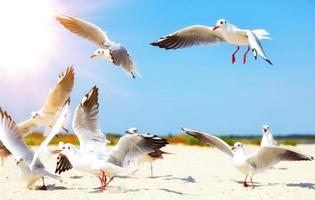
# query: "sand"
x,y
192,173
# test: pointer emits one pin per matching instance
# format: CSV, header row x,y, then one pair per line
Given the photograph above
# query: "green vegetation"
x,y
36,138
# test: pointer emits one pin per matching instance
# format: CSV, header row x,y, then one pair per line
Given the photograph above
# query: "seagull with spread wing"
x,y
57,97
93,156
108,50
262,159
149,157
27,161
223,31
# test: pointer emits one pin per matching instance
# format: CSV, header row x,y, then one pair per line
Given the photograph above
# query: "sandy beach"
x,y
191,173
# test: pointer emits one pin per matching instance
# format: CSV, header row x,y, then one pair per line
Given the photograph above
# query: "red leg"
x,y
244,58
110,180
245,183
103,180
233,55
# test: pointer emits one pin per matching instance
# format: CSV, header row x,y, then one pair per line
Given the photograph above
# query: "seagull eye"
x,y
68,147
225,22
221,22
63,147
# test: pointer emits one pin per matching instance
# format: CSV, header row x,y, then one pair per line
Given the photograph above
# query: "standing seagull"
x,y
222,32
267,138
31,167
261,160
150,157
109,50
93,156
57,97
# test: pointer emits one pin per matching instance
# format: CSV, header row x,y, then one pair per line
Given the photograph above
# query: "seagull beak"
x,y
56,151
216,27
232,148
93,56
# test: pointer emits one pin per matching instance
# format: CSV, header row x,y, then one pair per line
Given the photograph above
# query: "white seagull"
x,y
267,138
149,157
93,156
108,50
262,159
223,31
27,161
57,97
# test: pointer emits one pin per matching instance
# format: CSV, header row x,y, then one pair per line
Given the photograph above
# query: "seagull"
x,y
150,157
46,116
27,161
262,159
108,50
92,156
267,138
223,31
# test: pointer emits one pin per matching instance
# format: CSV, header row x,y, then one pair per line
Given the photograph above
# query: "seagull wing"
x,y
63,164
132,147
85,30
254,43
12,139
190,36
121,57
268,156
86,124
210,139
26,126
60,93
54,131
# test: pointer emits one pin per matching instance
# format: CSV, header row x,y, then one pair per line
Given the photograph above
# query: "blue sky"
x,y
197,87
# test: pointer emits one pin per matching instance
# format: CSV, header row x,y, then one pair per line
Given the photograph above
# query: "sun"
x,y
26,36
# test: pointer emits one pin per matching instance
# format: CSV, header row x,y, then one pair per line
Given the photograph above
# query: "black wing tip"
x,y
268,61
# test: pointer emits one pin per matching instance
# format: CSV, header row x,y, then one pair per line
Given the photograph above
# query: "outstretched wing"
x,y
12,139
86,124
254,43
132,147
84,29
210,139
60,93
268,156
54,131
189,36
121,57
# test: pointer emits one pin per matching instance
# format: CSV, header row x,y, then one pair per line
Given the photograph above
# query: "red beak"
x,y
216,27
232,148
56,151
93,56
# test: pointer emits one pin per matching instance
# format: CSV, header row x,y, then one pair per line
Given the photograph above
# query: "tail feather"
x,y
261,34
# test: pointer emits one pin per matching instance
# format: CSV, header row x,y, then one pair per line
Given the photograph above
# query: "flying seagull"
x,y
93,156
267,138
108,50
27,161
57,97
262,159
150,157
223,31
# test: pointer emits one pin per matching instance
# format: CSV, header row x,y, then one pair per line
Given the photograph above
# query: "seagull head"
x,y
221,23
265,129
98,52
237,147
132,131
64,149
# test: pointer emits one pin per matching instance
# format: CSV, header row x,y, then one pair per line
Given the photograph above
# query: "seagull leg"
x,y
102,183
44,186
151,167
245,183
251,181
244,58
233,55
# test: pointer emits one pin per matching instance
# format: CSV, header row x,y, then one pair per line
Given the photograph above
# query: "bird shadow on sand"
x,y
76,177
302,185
117,189
173,191
188,179
51,187
256,184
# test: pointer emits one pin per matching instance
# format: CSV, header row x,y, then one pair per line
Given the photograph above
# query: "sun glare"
x,y
26,36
